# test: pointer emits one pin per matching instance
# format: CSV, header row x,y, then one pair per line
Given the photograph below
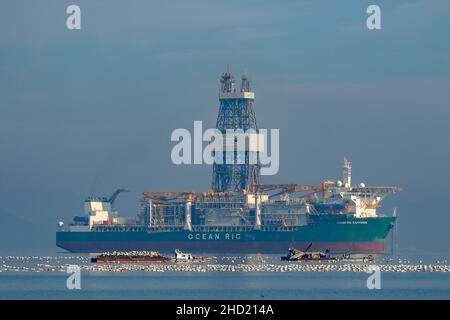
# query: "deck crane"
x,y
113,197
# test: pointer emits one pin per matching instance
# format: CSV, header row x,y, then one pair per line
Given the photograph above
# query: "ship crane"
x,y
113,197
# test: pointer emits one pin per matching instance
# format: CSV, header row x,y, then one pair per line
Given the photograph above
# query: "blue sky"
x,y
83,112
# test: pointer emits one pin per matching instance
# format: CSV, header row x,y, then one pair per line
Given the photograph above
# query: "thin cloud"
x,y
248,34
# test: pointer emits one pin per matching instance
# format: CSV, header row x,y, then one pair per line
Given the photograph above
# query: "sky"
x,y
83,112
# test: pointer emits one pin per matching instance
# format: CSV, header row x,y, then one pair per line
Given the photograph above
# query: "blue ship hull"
x,y
365,235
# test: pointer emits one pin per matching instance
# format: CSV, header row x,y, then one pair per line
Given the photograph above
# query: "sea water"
x,y
24,283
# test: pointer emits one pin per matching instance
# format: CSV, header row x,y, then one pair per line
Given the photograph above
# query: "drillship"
x,y
239,213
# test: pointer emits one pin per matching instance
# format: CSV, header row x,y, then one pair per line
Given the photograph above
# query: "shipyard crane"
x,y
113,197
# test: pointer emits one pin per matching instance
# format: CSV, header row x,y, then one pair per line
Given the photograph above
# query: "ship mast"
x,y
347,174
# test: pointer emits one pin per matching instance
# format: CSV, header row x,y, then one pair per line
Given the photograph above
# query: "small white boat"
x,y
180,256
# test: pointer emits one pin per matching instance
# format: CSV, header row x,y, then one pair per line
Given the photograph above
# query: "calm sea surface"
x,y
225,285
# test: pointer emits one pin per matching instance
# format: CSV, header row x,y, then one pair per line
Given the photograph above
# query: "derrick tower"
x,y
237,171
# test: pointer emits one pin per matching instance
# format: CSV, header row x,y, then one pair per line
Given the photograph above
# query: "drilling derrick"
x,y
238,170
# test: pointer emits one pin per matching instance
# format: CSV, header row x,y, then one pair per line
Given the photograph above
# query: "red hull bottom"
x,y
223,247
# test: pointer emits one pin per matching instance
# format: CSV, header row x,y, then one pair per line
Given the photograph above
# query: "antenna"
x,y
245,85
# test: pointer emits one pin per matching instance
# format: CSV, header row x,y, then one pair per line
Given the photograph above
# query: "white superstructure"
x,y
360,200
97,211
